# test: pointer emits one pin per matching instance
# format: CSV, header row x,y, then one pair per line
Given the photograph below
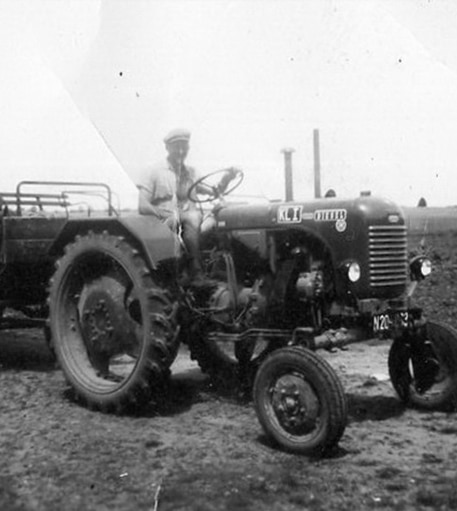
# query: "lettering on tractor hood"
x,y
338,216
330,215
295,215
290,214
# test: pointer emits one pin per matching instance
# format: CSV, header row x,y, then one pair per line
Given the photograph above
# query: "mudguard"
x,y
147,232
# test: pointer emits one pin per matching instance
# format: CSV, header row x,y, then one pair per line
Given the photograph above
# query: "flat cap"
x,y
177,134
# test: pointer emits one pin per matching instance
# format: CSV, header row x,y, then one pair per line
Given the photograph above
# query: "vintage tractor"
x,y
288,279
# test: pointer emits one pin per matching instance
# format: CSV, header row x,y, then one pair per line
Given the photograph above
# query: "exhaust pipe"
x,y
288,173
317,165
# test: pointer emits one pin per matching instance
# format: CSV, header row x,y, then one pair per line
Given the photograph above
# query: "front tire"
x,y
113,327
427,378
300,402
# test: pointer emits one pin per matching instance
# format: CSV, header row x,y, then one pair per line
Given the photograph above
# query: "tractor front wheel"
x,y
300,402
424,371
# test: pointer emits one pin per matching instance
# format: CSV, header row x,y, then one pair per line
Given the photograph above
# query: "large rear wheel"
x,y
113,328
424,372
300,402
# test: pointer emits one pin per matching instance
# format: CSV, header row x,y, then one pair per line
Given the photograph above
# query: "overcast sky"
x,y
89,89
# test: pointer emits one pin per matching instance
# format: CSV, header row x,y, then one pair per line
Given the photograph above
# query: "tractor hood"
x,y
339,214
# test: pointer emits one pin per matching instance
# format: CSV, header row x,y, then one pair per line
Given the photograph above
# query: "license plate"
x,y
385,322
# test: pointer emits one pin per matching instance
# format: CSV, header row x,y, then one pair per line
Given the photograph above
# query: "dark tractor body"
x,y
284,280
369,230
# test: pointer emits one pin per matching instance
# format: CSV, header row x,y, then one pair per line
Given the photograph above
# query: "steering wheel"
x,y
212,191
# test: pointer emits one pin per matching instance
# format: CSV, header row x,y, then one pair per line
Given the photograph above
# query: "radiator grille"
x,y
388,255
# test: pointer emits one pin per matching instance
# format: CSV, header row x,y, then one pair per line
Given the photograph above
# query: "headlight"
x,y
420,267
353,271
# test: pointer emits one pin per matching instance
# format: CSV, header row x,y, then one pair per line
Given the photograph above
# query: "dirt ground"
x,y
204,451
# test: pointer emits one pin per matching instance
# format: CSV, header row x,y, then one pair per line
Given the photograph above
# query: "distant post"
x,y
317,165
288,173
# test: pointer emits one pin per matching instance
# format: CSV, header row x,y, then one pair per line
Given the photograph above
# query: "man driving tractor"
x,y
165,190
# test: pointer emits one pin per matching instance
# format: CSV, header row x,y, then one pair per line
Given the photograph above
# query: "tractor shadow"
x,y
187,388
25,349
373,407
190,386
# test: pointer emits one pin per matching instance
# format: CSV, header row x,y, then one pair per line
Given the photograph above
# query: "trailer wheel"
x,y
300,402
424,374
113,328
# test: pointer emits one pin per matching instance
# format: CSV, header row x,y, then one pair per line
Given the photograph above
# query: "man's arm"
x,y
155,187
221,187
144,202
226,179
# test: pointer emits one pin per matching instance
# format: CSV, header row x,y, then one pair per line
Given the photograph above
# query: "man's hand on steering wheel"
x,y
230,175
212,192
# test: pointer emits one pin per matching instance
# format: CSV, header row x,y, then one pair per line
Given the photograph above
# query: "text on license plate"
x,y
384,322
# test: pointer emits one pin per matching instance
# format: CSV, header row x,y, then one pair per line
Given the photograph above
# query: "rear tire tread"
x,y
158,355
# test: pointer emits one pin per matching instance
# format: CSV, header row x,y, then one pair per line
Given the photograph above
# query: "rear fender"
x,y
155,240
